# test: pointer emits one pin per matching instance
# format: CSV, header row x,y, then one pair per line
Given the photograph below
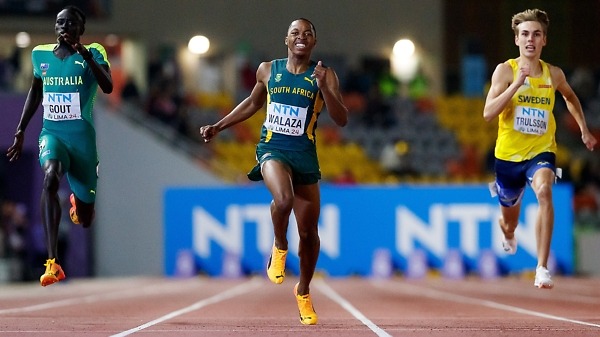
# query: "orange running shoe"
x,y
53,274
308,316
276,265
73,210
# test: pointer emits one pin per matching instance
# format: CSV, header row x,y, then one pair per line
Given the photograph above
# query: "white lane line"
x,y
441,295
501,287
233,292
329,292
100,297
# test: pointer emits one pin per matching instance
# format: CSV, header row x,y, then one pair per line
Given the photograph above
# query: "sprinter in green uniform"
x,y
295,89
66,76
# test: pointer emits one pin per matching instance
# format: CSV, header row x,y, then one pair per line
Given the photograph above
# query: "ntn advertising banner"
x,y
223,230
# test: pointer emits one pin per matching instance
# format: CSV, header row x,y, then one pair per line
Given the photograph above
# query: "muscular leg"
x,y
50,204
85,212
307,207
509,220
544,224
278,180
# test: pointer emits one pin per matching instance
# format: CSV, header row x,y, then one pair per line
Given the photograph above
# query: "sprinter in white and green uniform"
x,y
66,77
295,89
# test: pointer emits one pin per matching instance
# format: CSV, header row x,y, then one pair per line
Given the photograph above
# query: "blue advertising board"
x,y
212,224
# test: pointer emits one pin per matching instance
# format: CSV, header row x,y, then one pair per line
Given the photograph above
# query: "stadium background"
x,y
141,159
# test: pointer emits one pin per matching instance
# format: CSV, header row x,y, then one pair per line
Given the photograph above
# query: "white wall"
x,y
135,169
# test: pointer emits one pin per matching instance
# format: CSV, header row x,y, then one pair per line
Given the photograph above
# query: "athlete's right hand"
x,y
522,74
208,132
14,152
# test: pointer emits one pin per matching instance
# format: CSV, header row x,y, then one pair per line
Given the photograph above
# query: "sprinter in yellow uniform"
x,y
522,96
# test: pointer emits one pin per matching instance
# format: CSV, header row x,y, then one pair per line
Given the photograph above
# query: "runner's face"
x,y
301,37
68,22
531,38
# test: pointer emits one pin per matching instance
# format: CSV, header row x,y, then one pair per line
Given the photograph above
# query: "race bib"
x,y
61,106
531,121
285,119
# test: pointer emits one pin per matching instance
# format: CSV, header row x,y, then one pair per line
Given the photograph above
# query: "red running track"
x,y
347,307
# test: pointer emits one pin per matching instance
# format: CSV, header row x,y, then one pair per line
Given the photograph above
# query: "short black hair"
x,y
77,11
309,22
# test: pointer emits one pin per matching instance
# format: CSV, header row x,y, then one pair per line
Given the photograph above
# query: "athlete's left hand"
x,y
75,44
320,74
588,139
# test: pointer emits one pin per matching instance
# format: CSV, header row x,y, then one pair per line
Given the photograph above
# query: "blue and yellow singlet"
x,y
526,126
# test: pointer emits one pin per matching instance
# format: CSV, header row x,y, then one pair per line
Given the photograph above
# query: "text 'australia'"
x,y
65,80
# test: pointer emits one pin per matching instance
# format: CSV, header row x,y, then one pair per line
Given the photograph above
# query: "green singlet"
x,y
294,103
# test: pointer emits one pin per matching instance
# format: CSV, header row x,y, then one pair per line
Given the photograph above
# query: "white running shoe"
x,y
542,278
510,246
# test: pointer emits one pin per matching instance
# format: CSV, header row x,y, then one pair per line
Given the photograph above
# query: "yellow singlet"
x,y
526,127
